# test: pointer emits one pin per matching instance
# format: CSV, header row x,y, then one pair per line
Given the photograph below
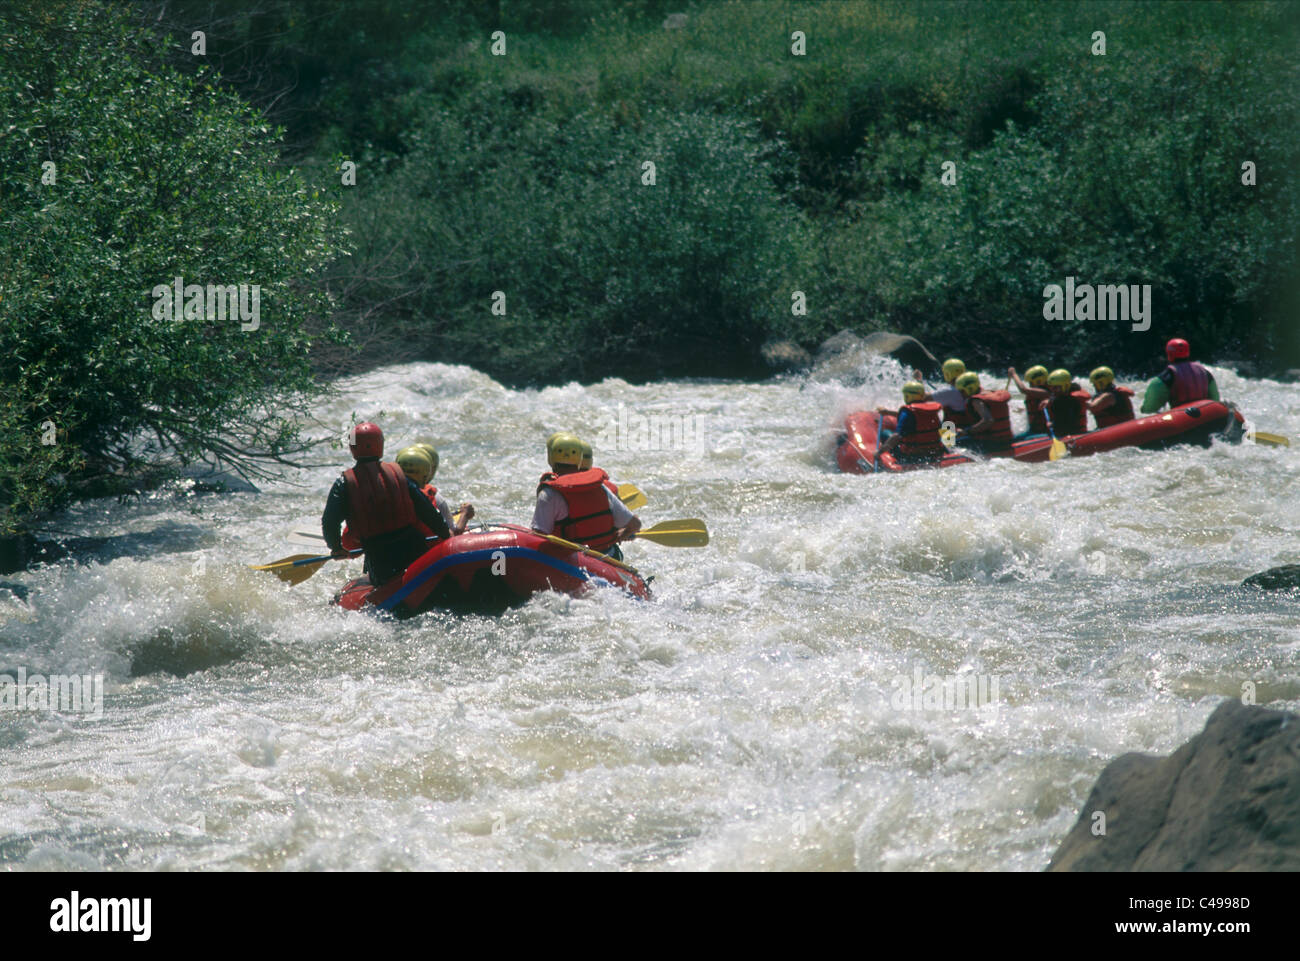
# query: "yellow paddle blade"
x,y
287,570
686,533
1058,450
631,495
1272,440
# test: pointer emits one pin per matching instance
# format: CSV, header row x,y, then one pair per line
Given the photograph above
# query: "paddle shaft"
x,y
1058,446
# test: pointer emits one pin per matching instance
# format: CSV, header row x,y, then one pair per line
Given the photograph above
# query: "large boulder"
x,y
1286,577
785,355
1227,800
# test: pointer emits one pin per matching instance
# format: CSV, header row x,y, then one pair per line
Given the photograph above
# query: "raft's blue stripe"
x,y
469,557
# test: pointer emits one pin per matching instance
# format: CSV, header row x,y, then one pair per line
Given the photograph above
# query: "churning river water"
x,y
762,712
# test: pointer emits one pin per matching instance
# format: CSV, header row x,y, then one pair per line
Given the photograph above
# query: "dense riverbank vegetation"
x,y
525,174
775,172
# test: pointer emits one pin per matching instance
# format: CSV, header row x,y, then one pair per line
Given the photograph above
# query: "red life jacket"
x,y
1117,412
1188,381
550,475
999,404
1034,408
431,492
378,502
1069,412
923,442
590,520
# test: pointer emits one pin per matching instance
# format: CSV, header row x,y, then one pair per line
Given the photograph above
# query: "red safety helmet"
x,y
1178,349
366,440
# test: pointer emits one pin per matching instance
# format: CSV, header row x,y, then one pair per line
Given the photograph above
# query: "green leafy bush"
x,y
603,274
155,176
1131,174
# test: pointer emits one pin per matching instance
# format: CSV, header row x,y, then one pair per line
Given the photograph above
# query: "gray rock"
x,y
13,553
1282,578
786,355
211,480
1227,800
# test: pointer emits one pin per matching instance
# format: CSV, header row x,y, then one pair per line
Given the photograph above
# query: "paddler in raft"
x,y
579,505
990,413
382,506
588,461
952,399
1036,397
1110,404
420,463
916,433
1182,382
1067,408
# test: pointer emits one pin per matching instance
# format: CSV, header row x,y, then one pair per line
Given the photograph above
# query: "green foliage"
x,y
1115,169
522,173
1132,175
157,175
603,274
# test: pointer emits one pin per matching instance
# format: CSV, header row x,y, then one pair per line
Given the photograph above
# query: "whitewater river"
x,y
750,717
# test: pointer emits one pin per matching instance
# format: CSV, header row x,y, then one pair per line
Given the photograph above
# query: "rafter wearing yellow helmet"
x,y
915,436
1111,404
581,505
1036,397
419,462
1066,410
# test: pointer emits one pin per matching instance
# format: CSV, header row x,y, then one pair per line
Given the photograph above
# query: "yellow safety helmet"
x,y
564,448
1102,377
1036,375
1059,378
913,390
968,383
415,464
952,369
588,457
433,457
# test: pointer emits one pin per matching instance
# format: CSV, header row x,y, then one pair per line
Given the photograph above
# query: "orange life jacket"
x,y
1069,412
1118,412
923,442
590,520
999,404
550,475
378,502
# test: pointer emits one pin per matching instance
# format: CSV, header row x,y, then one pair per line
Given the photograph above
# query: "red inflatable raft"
x,y
1193,423
490,570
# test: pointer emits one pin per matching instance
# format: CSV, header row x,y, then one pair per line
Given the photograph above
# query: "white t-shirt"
x,y
444,509
551,509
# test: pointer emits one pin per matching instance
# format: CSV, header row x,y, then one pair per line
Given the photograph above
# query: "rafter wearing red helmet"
x,y
1182,382
381,505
